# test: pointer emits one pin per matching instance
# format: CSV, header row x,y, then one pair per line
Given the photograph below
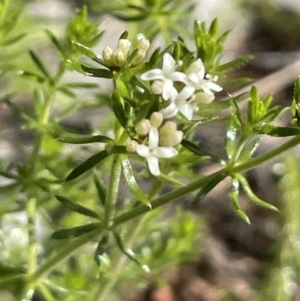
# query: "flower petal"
x,y
178,77
153,138
213,86
152,74
169,91
169,111
143,150
196,67
165,152
153,165
186,110
185,93
168,64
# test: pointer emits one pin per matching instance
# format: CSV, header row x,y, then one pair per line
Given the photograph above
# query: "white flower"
x,y
153,152
167,75
197,79
182,104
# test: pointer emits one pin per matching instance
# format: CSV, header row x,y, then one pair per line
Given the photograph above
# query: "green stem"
x,y
124,217
102,292
260,159
33,163
113,188
62,254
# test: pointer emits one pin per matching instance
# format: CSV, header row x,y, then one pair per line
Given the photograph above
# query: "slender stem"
x,y
133,213
163,200
102,292
113,188
63,253
33,163
260,159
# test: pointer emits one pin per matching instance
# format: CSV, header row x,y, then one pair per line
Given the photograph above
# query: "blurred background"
x,y
230,260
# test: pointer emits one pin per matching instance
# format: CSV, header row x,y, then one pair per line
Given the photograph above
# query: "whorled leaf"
x,y
76,207
131,182
235,202
87,165
75,232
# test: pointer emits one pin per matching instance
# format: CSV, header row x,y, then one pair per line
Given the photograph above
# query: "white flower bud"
x,y
172,139
131,146
168,128
157,87
143,127
144,44
118,57
156,119
138,57
107,53
195,67
204,98
125,46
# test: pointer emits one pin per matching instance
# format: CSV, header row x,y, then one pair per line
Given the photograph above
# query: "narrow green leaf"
x,y
122,89
231,136
81,85
251,195
128,253
131,182
101,249
39,64
89,53
170,180
253,105
66,91
77,139
124,35
249,150
198,151
235,202
96,72
13,40
76,231
297,91
54,40
118,109
208,186
236,63
32,76
277,131
7,175
76,207
87,165
137,17
101,190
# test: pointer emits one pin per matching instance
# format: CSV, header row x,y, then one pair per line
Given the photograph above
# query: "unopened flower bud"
x,y
144,44
168,128
143,127
204,98
131,146
118,57
195,67
125,46
138,57
107,53
157,87
156,119
172,139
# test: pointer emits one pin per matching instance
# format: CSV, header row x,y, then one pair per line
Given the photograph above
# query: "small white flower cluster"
x,y
123,53
197,87
158,141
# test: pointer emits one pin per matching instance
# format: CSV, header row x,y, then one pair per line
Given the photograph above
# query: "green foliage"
x,y
104,188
